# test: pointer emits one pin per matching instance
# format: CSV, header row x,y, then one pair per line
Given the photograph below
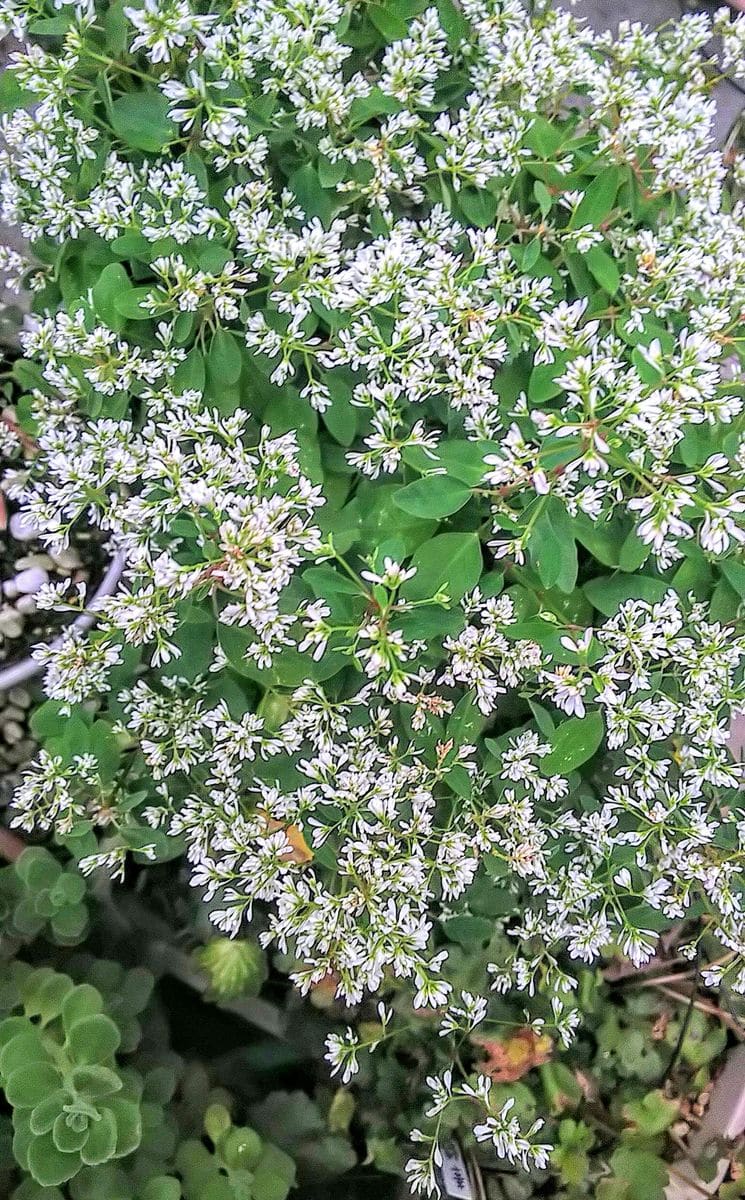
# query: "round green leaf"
x,y
83,1001
141,120
45,1114
21,1051
224,360
93,1040
162,1187
66,1137
27,1086
128,1125
95,1082
100,1145
38,868
48,1165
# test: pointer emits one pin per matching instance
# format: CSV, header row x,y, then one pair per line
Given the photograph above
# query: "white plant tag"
x,y
454,1173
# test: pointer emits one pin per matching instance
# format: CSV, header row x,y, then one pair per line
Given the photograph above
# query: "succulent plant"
x,y
71,1106
39,895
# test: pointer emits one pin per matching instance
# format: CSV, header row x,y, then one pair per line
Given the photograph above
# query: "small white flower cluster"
x,y
337,782
503,260
499,1128
197,511
427,310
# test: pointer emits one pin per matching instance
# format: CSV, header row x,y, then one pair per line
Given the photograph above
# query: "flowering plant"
x,y
397,348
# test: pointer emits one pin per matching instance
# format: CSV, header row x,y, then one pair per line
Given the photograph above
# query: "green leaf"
x,y
132,304
37,868
141,120
544,138
653,1114
608,592
326,581
21,1051
598,200
95,1082
12,95
50,26
128,1125
66,1137
603,269
28,1085
224,360
289,667
644,1173
48,1165
241,1148
543,197
552,548
542,385
83,1001
340,418
42,1117
450,562
452,22
162,1187
100,1144
274,1175
93,1040
466,722
387,22
479,207
734,573
432,496
468,931
69,924
377,516
574,742
314,200
112,283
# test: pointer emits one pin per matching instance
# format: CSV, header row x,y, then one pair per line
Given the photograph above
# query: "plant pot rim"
x,y
28,667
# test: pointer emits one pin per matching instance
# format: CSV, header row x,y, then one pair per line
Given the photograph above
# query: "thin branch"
x,y
705,1006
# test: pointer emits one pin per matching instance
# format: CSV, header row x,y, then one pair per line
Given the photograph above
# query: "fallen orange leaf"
x,y
300,851
508,1059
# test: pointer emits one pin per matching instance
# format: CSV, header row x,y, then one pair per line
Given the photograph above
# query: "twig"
x,y
691,1183
704,1006
654,981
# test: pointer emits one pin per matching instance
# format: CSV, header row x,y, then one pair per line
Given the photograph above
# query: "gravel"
x,y
17,745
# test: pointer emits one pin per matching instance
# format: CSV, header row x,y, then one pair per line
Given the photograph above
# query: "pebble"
x,y
35,560
10,591
11,622
13,732
20,697
26,605
67,560
21,752
29,581
22,527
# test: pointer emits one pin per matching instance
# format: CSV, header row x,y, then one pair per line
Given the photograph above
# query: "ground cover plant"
x,y
398,349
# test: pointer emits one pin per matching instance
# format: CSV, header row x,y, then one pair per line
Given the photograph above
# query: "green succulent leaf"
x,y
93,1039
27,1086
